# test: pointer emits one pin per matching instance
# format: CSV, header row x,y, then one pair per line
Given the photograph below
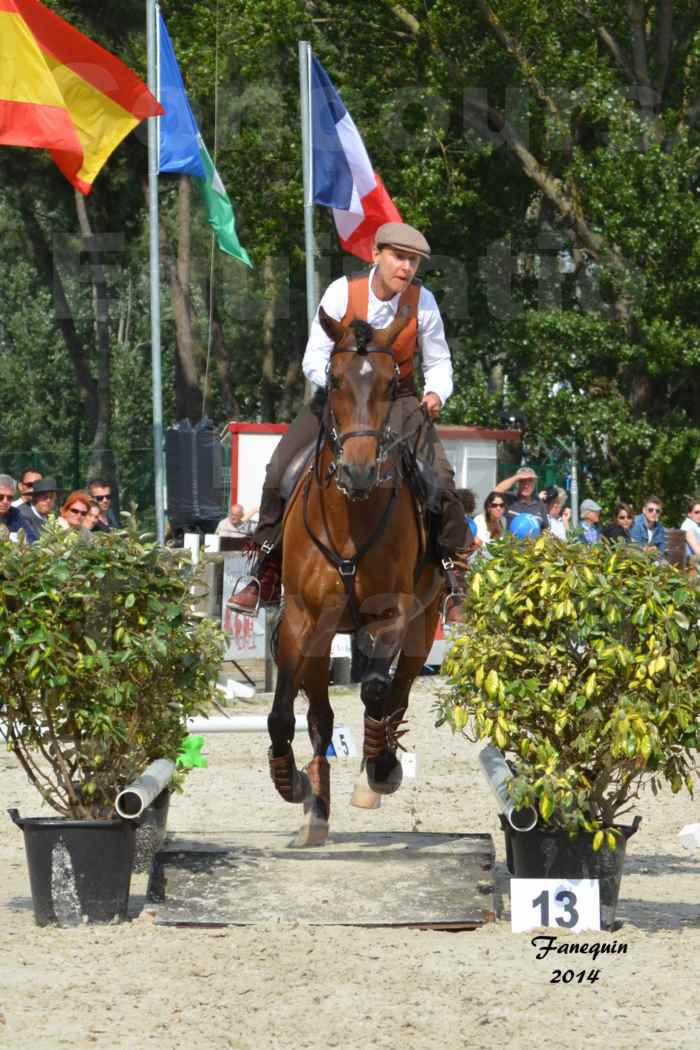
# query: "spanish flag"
x,y
61,92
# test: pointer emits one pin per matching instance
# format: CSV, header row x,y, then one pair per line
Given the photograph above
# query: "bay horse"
x,y
356,559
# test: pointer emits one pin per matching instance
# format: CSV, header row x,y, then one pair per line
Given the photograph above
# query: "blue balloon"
x,y
525,526
471,525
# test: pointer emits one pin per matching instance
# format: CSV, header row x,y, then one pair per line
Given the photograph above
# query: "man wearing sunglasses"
x,y
101,492
9,515
26,486
35,514
647,529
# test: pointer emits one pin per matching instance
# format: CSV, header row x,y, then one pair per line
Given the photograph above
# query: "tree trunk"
x,y
188,352
101,462
46,264
269,391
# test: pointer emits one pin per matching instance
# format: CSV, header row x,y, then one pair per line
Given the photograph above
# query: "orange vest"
x,y
404,346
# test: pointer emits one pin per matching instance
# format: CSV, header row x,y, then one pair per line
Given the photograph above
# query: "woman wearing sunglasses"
x,y
491,525
73,513
619,527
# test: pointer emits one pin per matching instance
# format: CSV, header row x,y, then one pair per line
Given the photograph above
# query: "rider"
x,y
376,298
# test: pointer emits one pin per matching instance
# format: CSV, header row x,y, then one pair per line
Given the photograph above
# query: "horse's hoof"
x,y
313,832
364,798
384,777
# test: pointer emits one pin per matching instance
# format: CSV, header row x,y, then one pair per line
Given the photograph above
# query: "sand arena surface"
x,y
289,985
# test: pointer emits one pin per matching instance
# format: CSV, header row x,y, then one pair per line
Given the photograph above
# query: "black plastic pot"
x,y
550,854
79,870
151,832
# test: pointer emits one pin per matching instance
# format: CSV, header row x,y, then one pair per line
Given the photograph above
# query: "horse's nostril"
x,y
357,478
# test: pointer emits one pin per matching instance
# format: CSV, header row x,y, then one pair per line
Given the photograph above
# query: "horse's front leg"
x,y
383,723
317,804
305,645
291,784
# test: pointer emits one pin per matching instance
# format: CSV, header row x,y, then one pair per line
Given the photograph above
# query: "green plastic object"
x,y
191,756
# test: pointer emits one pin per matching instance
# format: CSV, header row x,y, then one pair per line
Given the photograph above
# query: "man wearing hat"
x,y
376,298
589,515
523,500
34,515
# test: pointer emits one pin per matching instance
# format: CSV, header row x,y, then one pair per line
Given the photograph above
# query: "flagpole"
x,y
307,155
154,241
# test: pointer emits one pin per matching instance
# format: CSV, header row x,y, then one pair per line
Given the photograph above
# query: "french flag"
x,y
343,176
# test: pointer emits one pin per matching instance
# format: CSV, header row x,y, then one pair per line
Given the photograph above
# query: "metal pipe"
x,y
498,774
308,176
133,799
235,724
154,267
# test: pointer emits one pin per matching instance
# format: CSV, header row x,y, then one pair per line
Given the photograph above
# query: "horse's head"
x,y
362,382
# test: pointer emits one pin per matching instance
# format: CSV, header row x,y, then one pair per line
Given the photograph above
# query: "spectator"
x,y
491,525
92,514
237,523
590,516
554,500
619,527
691,527
26,484
468,501
647,530
524,501
74,512
101,492
9,514
34,515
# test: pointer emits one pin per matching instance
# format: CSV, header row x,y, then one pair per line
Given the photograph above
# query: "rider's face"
x,y
395,271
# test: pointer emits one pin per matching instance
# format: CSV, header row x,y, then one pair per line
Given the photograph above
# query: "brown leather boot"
x,y
265,587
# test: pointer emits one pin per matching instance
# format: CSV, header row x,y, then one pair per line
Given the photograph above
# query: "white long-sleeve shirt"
x,y
437,364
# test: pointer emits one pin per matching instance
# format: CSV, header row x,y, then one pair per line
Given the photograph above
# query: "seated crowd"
x,y
29,503
516,495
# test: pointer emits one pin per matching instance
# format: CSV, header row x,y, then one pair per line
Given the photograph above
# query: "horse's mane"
x,y
363,334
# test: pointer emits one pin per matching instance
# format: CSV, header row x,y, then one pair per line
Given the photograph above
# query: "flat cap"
x,y
401,235
45,485
590,505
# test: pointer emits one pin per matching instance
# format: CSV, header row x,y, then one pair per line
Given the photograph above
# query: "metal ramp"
x,y
414,879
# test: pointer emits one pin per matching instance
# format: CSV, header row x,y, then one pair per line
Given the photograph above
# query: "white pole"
x,y
235,724
307,157
574,484
154,240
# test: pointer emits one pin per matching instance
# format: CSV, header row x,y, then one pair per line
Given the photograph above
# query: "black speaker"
x,y
194,460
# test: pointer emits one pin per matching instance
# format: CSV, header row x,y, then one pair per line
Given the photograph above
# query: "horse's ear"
x,y
384,337
333,329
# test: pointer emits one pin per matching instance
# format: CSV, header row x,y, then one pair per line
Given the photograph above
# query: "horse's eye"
x,y
333,382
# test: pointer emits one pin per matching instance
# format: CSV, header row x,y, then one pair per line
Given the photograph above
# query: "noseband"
x,y
382,435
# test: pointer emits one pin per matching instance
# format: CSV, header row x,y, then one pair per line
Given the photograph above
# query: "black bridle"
x,y
382,434
386,443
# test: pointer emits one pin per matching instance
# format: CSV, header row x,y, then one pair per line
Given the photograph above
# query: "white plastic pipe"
x,y
134,798
234,724
690,836
498,774
233,689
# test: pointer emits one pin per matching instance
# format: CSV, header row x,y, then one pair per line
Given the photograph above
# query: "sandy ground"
x,y
291,985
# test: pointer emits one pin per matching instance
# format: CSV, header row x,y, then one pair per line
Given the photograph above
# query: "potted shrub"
x,y
101,662
582,665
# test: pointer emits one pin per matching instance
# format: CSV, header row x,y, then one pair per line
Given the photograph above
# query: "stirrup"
x,y
241,584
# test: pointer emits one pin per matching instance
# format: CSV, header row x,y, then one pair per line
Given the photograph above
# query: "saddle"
x,y
295,468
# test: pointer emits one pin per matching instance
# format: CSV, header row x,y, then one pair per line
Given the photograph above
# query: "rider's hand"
x,y
433,404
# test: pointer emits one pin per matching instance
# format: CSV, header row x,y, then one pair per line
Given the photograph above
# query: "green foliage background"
x,y
549,152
